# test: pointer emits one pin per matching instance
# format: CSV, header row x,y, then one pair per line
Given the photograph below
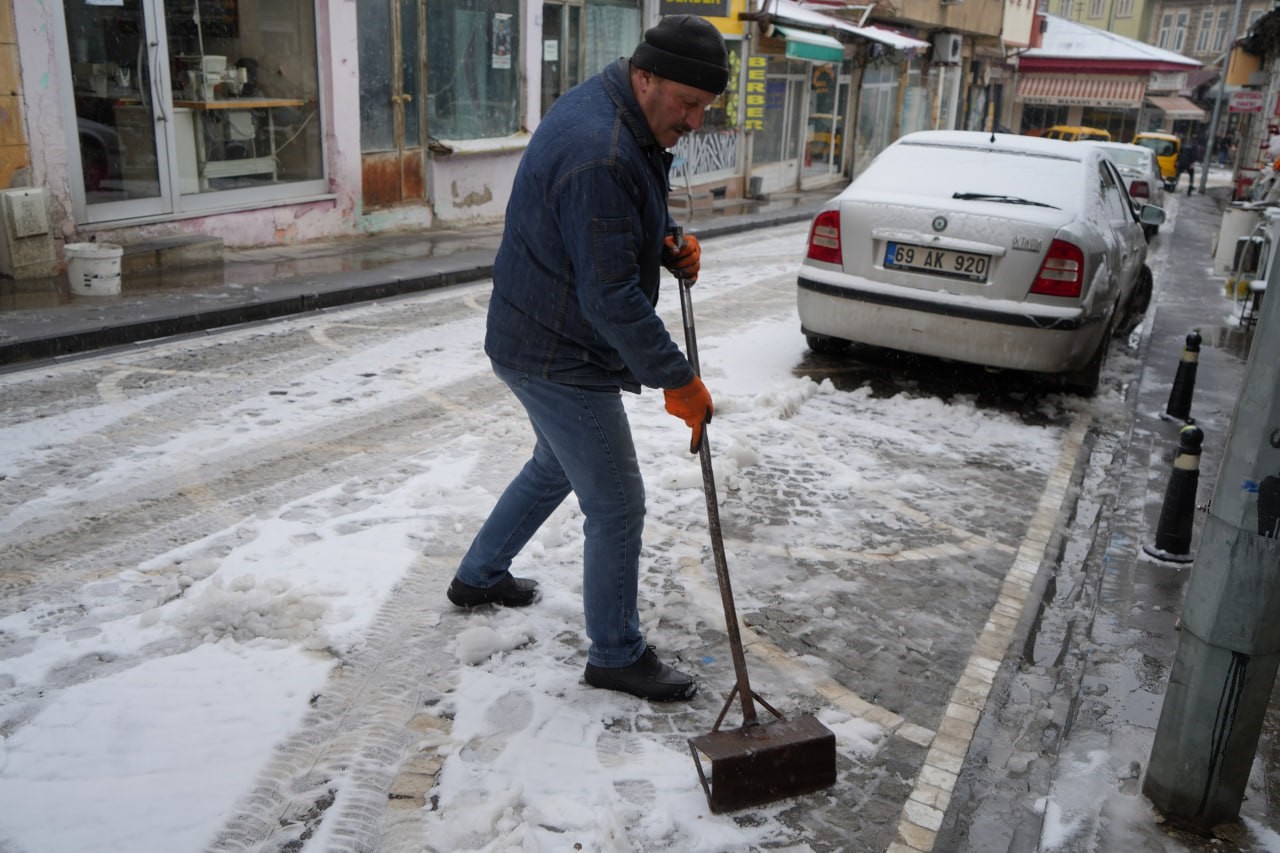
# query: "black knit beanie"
x,y
687,49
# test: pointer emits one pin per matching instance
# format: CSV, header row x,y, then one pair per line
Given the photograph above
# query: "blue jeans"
x,y
583,444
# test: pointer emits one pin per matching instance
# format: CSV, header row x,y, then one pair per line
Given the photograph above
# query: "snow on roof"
x,y
1067,38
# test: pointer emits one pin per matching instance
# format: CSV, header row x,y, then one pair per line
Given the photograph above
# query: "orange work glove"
x,y
684,260
691,403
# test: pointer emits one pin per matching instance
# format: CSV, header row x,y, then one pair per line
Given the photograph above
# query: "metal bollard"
x,y
1184,382
1177,514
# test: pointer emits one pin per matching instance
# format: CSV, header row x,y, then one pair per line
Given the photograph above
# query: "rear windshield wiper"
x,y
1003,199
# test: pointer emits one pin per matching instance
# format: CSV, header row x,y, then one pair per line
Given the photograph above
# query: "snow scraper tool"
x,y
761,761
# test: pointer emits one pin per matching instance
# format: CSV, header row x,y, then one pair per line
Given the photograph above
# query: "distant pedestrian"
x,y
1224,149
1188,156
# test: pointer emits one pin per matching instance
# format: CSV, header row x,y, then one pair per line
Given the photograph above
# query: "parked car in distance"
x,y
1137,165
1076,133
1007,251
1166,147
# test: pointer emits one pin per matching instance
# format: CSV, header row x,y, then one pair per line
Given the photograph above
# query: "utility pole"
x,y
1229,647
1210,143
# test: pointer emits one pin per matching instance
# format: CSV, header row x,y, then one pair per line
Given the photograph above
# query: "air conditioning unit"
x,y
26,241
946,48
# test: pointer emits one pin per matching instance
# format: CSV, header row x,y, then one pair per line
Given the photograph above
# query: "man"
x,y
572,323
1188,155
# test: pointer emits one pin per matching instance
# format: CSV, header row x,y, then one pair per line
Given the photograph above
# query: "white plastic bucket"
x,y
93,269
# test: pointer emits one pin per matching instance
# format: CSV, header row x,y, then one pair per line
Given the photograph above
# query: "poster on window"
x,y
501,40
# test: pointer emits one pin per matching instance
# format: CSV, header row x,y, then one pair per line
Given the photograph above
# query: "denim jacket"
x,y
576,277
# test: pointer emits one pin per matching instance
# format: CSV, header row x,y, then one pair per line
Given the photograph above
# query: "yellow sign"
x,y
730,25
753,117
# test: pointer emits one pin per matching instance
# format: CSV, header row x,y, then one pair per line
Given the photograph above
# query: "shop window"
x,y
224,97
247,71
915,101
824,136
473,68
876,107
1038,117
614,28
714,147
778,136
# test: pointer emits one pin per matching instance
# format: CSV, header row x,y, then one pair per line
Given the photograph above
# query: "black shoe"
x,y
508,592
648,678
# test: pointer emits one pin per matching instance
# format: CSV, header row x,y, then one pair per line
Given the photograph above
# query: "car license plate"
x,y
945,262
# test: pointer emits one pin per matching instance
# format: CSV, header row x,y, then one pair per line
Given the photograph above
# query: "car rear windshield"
x,y
942,171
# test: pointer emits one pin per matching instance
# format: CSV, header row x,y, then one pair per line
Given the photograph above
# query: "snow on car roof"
x,y
940,164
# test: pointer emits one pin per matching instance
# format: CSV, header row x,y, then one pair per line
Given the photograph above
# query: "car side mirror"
x,y
1151,215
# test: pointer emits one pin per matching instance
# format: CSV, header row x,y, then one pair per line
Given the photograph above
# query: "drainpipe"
x,y
748,137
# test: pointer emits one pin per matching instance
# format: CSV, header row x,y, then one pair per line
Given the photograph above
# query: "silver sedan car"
x,y
1007,251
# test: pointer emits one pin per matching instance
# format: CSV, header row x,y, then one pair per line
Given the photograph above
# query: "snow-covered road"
x,y
223,626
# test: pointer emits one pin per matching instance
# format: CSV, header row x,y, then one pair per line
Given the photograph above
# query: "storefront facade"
x,y
267,121
151,119
277,121
1081,75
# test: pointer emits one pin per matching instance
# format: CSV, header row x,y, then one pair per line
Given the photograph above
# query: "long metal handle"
x,y
713,524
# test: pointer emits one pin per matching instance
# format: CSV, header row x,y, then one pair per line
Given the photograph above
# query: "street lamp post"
x,y
1217,103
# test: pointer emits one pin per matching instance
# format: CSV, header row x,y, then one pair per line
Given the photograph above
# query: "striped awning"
x,y
1176,107
1082,90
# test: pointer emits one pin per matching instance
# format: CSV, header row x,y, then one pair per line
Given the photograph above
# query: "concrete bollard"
x,y
1178,513
1184,382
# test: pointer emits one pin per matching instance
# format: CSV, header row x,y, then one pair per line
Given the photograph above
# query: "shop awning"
x,y
793,15
815,47
1082,90
893,38
1176,107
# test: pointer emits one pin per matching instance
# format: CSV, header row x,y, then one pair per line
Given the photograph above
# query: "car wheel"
x,y
1085,381
825,345
1139,301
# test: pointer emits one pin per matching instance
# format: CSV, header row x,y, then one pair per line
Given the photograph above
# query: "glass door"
x,y
121,108
562,45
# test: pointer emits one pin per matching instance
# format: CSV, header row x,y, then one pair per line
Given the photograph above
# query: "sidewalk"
x,y
1058,762
41,320
1133,636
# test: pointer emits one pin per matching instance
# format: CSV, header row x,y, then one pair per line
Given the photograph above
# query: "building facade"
x,y
1128,18
1082,75
274,121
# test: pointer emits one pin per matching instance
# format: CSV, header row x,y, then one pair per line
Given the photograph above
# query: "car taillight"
x,y
824,238
1062,273
1139,189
